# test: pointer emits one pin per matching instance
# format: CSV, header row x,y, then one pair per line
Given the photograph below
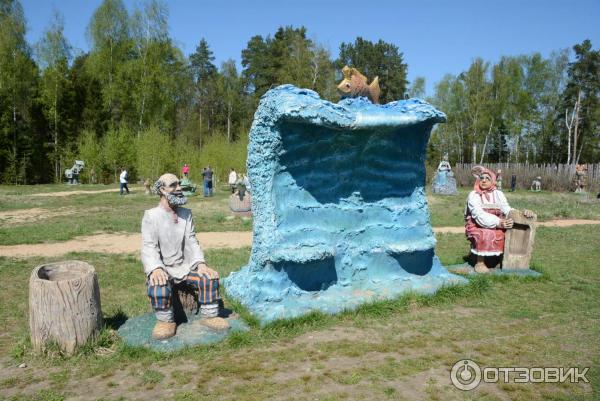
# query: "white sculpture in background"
x,y
444,182
72,173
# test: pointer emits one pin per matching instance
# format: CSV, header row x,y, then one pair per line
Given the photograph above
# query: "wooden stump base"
x,y
64,305
185,301
518,242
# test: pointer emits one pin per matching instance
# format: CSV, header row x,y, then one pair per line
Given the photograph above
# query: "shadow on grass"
x,y
116,320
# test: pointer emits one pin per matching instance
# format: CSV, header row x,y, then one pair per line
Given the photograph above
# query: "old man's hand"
x,y
528,213
210,273
158,277
506,223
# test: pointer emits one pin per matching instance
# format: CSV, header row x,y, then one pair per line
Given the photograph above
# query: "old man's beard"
x,y
176,198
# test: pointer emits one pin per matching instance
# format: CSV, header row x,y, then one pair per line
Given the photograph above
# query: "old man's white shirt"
x,y
169,245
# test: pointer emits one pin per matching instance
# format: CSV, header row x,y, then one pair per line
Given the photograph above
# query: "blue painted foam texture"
x,y
340,213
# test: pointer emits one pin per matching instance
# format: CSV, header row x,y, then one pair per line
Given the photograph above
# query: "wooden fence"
x,y
555,177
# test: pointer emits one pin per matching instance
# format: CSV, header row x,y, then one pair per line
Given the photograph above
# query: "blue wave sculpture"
x,y
340,213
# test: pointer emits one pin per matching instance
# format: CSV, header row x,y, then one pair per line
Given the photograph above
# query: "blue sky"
x,y
436,37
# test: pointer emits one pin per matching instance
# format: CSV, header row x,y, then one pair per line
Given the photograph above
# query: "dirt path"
x,y
567,223
19,216
550,223
130,243
120,243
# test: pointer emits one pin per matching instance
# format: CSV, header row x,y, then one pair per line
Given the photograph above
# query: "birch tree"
x,y
108,33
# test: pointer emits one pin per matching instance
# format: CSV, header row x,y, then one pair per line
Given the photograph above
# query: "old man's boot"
x,y
163,330
210,317
215,323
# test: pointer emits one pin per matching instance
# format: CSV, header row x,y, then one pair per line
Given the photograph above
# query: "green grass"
x,y
80,215
381,350
100,212
384,350
449,210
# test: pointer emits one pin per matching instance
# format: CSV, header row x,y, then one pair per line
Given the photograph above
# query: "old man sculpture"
x,y
172,256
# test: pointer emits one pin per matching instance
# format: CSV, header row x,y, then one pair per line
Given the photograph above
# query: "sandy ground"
x,y
130,243
13,217
567,223
120,243
550,223
21,216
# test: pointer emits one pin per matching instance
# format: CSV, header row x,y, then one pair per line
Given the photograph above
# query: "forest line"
x,y
136,100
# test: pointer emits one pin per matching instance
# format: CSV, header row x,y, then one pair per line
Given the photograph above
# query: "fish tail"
x,y
374,90
375,83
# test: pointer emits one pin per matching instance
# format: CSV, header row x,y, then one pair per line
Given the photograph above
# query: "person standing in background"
x,y
123,180
207,176
185,170
232,180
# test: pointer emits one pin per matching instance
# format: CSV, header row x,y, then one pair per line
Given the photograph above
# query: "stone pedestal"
x,y
238,205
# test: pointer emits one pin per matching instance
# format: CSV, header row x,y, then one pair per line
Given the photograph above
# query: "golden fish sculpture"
x,y
354,84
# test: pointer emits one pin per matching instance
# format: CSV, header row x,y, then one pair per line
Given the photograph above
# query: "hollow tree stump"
x,y
64,305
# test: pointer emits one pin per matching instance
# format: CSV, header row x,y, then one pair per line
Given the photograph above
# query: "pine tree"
x,y
584,84
20,140
110,40
203,73
380,59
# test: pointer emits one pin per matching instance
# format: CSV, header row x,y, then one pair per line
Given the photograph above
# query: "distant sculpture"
x,y
444,182
339,211
188,188
513,183
536,185
147,190
499,179
487,219
93,178
354,84
72,173
580,178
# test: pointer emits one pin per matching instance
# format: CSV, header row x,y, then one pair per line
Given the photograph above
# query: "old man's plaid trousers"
x,y
208,290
